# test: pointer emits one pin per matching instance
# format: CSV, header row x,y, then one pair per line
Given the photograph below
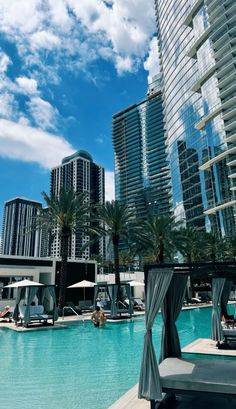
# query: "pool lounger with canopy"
x,y
206,376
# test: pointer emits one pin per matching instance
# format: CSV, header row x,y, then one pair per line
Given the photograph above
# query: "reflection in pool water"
x,y
81,367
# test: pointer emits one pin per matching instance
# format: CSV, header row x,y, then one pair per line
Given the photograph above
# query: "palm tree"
x,y
231,247
214,246
68,213
160,238
192,244
117,220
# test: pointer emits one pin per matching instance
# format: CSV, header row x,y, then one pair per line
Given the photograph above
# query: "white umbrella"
x,y
135,284
23,283
83,284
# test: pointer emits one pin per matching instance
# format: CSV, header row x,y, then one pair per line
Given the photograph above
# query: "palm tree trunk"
x,y
116,259
65,235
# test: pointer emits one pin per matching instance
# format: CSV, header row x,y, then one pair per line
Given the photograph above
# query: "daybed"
x,y
215,376
229,334
36,314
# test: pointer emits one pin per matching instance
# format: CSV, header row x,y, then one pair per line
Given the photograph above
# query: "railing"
x,y
72,309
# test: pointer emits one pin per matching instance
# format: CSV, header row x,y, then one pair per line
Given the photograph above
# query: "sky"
x,y
66,66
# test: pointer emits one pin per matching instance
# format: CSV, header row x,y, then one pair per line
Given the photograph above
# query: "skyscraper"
x,y
198,66
141,171
80,173
18,238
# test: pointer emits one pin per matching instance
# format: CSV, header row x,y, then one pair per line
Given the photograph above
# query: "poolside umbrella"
x,y
24,283
83,284
135,284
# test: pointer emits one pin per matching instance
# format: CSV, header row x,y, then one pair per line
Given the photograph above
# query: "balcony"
x,y
197,43
191,11
219,207
217,158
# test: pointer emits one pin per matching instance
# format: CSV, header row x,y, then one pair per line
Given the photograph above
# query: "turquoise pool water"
x,y
81,367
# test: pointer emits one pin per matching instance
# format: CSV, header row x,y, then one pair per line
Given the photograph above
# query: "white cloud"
x,y
109,186
42,112
25,143
152,62
118,30
123,64
7,105
100,140
27,85
4,62
44,39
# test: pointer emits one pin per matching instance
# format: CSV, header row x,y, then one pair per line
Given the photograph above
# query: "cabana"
x,y
27,292
117,307
165,287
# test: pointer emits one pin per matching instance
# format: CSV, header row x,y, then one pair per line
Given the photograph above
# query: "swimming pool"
x,y
81,367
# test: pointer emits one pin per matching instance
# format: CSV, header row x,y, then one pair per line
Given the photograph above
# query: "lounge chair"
x,y
6,315
36,314
71,306
86,305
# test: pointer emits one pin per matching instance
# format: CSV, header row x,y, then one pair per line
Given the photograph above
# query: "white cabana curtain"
x,y
149,381
216,329
128,293
171,307
32,291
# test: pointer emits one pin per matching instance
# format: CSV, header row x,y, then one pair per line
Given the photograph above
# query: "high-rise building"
x,y
78,172
141,171
18,237
197,44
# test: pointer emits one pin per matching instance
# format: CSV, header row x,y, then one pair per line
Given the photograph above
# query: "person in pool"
x,y
98,317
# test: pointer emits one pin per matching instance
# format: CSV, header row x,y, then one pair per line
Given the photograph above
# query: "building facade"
x,y
78,172
141,171
197,42
18,236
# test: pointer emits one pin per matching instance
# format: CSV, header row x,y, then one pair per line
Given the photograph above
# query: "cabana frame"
x,y
165,287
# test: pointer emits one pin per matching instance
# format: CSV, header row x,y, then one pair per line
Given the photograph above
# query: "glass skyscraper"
x,y
141,171
197,43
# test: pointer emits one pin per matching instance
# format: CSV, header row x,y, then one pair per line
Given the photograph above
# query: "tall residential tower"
x,y
78,172
197,44
19,239
141,171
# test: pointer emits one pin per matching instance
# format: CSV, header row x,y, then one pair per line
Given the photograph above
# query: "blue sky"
x,y
65,67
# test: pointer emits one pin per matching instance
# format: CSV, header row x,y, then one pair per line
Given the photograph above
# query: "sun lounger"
x,y
36,314
86,305
229,334
215,376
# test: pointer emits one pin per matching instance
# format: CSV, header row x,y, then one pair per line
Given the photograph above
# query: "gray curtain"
x,y
51,290
171,307
128,293
113,290
216,329
96,291
41,294
19,296
32,291
225,297
149,381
